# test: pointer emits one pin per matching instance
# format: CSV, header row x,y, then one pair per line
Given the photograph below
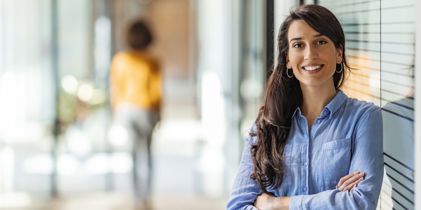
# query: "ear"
x,y
339,54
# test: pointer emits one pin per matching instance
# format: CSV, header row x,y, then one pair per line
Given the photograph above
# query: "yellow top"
x,y
136,80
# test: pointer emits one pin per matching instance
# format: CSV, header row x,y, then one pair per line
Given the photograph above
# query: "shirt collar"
x,y
330,108
296,112
335,103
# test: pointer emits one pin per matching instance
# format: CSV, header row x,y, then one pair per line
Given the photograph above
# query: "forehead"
x,y
299,28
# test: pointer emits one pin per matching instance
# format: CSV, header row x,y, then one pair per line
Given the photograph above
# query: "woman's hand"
x,y
267,201
350,181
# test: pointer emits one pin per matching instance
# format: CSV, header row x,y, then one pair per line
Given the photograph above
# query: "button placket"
x,y
304,157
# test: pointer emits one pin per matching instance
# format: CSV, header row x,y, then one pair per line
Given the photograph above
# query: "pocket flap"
x,y
337,144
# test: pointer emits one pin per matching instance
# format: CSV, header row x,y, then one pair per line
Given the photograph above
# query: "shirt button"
x,y
305,164
304,189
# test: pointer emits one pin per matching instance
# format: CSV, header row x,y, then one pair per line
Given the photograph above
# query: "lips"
x,y
314,67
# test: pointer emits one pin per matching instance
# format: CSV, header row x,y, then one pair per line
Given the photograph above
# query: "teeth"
x,y
311,68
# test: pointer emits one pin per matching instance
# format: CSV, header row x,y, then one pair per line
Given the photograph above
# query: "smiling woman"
x,y
311,52
311,146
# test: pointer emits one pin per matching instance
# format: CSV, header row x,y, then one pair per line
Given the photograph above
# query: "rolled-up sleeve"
x,y
367,157
245,189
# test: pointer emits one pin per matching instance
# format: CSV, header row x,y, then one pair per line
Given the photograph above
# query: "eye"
x,y
297,45
321,42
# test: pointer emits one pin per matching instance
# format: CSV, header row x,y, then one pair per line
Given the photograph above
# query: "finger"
x,y
346,180
343,179
350,181
352,185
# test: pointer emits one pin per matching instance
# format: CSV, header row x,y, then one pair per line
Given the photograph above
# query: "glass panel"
x,y
380,45
84,152
252,61
397,82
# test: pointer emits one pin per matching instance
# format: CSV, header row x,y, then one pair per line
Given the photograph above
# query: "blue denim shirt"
x,y
346,137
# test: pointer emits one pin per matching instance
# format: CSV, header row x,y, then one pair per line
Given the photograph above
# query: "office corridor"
x,y
60,148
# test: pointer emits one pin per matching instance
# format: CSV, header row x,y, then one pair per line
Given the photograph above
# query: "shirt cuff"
x,y
296,203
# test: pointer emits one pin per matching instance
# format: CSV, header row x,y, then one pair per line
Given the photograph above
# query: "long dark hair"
x,y
283,95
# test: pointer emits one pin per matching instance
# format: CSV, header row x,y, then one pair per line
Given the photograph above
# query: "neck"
x,y
315,99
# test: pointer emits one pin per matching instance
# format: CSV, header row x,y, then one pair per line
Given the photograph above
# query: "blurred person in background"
x,y
135,83
311,147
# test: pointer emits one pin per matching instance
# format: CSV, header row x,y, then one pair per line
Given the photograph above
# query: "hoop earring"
x,y
340,70
289,76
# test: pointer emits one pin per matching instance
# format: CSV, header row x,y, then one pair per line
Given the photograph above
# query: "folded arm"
x,y
245,190
367,157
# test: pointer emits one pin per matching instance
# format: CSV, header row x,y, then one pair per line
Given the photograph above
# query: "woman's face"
x,y
311,55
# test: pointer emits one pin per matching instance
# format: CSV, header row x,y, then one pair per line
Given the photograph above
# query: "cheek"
x,y
293,58
330,54
329,57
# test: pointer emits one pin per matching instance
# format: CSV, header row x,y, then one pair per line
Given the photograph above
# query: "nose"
x,y
311,52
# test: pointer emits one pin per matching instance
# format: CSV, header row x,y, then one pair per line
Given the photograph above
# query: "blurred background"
x,y
60,150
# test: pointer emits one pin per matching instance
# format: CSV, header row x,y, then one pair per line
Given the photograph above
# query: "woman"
x,y
311,147
135,83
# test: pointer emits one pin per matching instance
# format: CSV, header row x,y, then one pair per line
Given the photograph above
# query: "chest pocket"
x,y
336,159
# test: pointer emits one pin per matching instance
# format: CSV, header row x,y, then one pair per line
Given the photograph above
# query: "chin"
x,y
314,83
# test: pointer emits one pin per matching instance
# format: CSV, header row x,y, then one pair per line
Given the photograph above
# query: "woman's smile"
x,y
312,68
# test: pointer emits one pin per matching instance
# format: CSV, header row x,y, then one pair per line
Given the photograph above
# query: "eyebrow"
x,y
299,38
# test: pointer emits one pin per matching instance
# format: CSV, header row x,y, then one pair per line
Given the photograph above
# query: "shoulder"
x,y
153,61
363,112
251,134
359,107
149,59
120,59
121,55
155,64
